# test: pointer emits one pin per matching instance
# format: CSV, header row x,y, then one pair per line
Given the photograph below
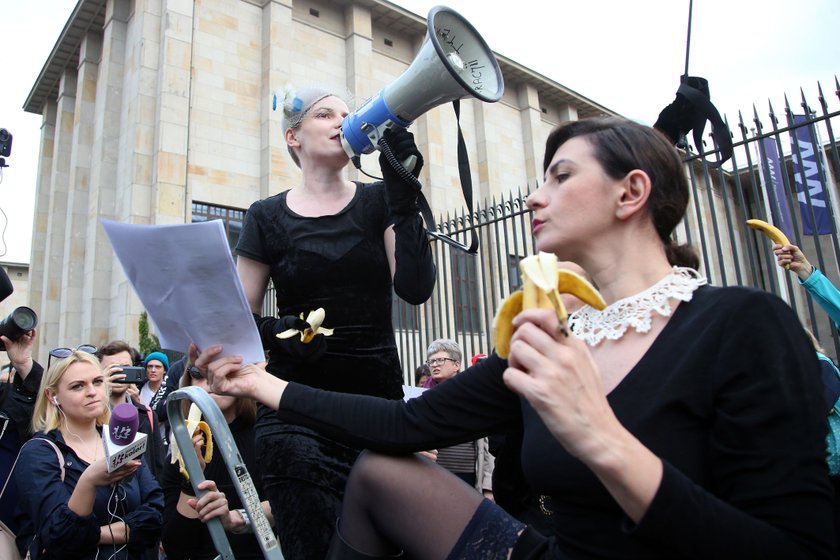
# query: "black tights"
x,y
405,503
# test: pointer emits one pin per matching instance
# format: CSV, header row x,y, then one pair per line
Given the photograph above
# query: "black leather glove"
x,y
292,347
401,191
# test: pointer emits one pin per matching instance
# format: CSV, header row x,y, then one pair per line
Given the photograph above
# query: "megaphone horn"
x,y
454,62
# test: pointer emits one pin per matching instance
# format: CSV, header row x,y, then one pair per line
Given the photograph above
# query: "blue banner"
x,y
774,184
808,176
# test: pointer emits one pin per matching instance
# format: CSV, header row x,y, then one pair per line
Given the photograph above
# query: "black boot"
x,y
340,550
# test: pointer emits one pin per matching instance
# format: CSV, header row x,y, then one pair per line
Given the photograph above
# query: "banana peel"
x,y
775,234
542,284
194,422
315,319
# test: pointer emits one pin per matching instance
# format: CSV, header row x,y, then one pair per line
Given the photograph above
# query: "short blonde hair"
x,y
46,416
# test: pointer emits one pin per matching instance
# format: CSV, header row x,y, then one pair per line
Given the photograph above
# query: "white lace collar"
x,y
635,311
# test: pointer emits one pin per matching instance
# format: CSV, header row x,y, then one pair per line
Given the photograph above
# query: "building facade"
x,y
160,112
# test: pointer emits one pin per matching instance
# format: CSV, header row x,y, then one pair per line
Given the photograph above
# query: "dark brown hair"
x,y
621,146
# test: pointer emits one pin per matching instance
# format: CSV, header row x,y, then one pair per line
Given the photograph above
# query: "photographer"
x,y
114,357
17,402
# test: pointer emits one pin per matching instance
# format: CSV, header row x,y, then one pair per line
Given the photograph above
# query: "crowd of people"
x,y
682,421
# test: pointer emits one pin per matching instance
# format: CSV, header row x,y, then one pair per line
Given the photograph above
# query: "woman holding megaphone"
x,y
72,507
345,247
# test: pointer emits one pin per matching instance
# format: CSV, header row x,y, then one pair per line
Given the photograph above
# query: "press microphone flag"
x,y
120,436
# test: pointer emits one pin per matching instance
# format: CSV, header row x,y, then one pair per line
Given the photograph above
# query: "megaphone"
x,y
454,62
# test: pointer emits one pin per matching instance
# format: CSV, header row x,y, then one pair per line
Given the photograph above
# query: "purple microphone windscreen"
x,y
6,287
123,424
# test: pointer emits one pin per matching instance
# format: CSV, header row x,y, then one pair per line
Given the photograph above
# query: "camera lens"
x,y
24,318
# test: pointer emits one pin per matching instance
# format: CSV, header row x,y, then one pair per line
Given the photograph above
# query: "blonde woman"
x,y
75,508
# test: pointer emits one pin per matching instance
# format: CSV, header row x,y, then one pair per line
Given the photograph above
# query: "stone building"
x,y
159,112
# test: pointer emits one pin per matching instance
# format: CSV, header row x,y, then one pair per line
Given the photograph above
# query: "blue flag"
x,y
808,174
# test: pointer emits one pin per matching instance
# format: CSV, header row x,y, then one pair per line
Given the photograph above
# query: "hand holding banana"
x,y
194,423
772,232
315,319
542,284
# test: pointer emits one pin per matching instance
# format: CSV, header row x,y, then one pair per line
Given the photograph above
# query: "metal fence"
x,y
752,184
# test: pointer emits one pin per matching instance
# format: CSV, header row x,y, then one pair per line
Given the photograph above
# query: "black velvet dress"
x,y
337,262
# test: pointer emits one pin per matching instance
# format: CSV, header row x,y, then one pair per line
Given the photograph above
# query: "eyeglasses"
x,y
62,353
439,361
195,373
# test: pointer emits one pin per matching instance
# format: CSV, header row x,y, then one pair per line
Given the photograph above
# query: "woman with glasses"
x,y
682,421
71,506
347,247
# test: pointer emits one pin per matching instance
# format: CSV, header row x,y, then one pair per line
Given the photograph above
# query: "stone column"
x,y
75,239
37,259
358,51
171,142
50,314
100,262
531,119
276,167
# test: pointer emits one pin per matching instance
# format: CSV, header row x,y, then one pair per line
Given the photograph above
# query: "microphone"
x,y
120,436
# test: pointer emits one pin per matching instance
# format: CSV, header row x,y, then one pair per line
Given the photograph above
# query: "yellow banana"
x,y
315,318
193,422
775,234
542,284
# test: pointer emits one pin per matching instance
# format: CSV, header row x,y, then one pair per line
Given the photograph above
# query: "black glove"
x,y
401,190
292,347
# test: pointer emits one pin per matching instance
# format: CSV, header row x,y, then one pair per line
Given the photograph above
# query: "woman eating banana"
x,y
681,421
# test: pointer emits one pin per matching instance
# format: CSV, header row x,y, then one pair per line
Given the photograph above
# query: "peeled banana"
x,y
193,422
315,318
542,284
775,234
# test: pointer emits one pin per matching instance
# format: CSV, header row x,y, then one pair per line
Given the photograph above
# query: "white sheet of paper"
x,y
186,280
412,392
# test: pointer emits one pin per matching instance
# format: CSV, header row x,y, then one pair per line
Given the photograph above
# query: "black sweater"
x,y
728,396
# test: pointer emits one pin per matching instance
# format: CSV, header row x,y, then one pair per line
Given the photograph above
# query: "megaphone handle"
x,y
403,169
409,163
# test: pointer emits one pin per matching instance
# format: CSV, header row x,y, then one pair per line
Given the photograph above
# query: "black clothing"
x,y
137,500
728,396
184,538
155,454
17,402
337,262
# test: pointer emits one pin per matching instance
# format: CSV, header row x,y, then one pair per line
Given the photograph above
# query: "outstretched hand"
x,y
228,375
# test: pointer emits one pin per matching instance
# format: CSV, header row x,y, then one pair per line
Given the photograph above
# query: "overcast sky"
x,y
625,55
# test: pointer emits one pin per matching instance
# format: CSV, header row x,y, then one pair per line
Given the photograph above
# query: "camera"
x,y
133,374
17,323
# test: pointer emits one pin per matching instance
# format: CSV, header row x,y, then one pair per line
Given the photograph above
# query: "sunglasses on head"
x,y
62,353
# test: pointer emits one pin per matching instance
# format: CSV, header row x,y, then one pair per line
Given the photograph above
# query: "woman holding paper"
x,y
72,507
346,247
